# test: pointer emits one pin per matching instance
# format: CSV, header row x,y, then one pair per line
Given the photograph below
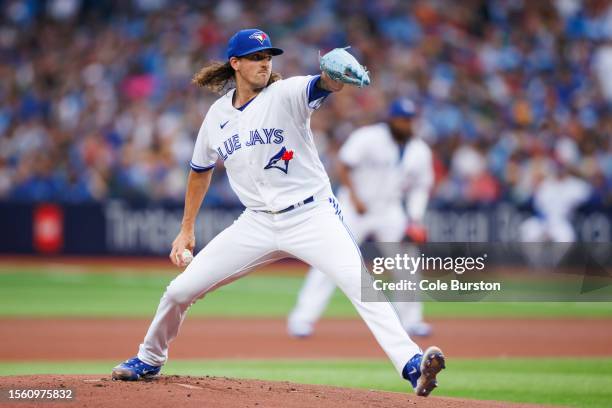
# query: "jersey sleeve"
x,y
422,173
301,94
354,150
204,157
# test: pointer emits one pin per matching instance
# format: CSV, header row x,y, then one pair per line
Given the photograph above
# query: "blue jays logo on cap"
x,y
283,155
259,36
248,41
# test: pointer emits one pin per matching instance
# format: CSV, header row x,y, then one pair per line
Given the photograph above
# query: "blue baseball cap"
x,y
402,108
248,41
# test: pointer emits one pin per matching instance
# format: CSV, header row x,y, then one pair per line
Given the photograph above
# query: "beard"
x,y
400,135
260,82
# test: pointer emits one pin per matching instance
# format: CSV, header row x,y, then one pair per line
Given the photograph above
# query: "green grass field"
x,y
52,292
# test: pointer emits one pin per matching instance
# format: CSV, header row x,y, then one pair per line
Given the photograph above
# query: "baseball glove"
x,y
416,234
343,67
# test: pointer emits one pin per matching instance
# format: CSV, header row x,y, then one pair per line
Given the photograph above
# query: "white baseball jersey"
x,y
267,145
382,171
556,199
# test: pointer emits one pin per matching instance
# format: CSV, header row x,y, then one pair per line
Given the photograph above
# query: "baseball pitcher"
x,y
260,129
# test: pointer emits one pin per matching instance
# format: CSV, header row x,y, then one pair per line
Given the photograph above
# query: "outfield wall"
x,y
121,228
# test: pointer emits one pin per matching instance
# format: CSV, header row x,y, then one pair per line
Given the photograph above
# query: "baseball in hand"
x,y
187,257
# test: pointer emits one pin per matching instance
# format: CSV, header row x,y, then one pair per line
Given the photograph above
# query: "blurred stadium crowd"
x,y
96,100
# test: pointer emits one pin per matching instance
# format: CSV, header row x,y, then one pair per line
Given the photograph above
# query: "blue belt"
x,y
291,207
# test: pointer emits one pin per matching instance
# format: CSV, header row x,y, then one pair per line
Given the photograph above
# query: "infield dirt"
x,y
118,339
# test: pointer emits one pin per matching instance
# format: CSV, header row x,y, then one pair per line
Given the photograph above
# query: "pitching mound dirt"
x,y
179,391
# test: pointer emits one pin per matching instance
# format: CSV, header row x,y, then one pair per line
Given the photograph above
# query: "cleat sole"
x,y
433,362
122,374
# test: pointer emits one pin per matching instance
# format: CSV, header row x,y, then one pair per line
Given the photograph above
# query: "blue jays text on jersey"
x,y
266,136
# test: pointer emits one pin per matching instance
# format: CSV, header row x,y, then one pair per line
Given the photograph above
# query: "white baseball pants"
x,y
313,233
387,225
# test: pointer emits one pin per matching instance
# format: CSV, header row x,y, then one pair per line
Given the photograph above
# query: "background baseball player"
x,y
554,201
261,131
379,166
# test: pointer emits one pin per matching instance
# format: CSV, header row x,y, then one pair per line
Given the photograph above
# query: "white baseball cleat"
x,y
299,329
420,329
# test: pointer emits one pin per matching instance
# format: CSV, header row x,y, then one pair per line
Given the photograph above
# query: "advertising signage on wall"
x,y
122,228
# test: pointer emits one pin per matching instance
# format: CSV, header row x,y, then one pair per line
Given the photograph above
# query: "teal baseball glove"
x,y
343,67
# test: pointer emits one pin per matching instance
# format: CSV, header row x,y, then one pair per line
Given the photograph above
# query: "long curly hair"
x,y
219,76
